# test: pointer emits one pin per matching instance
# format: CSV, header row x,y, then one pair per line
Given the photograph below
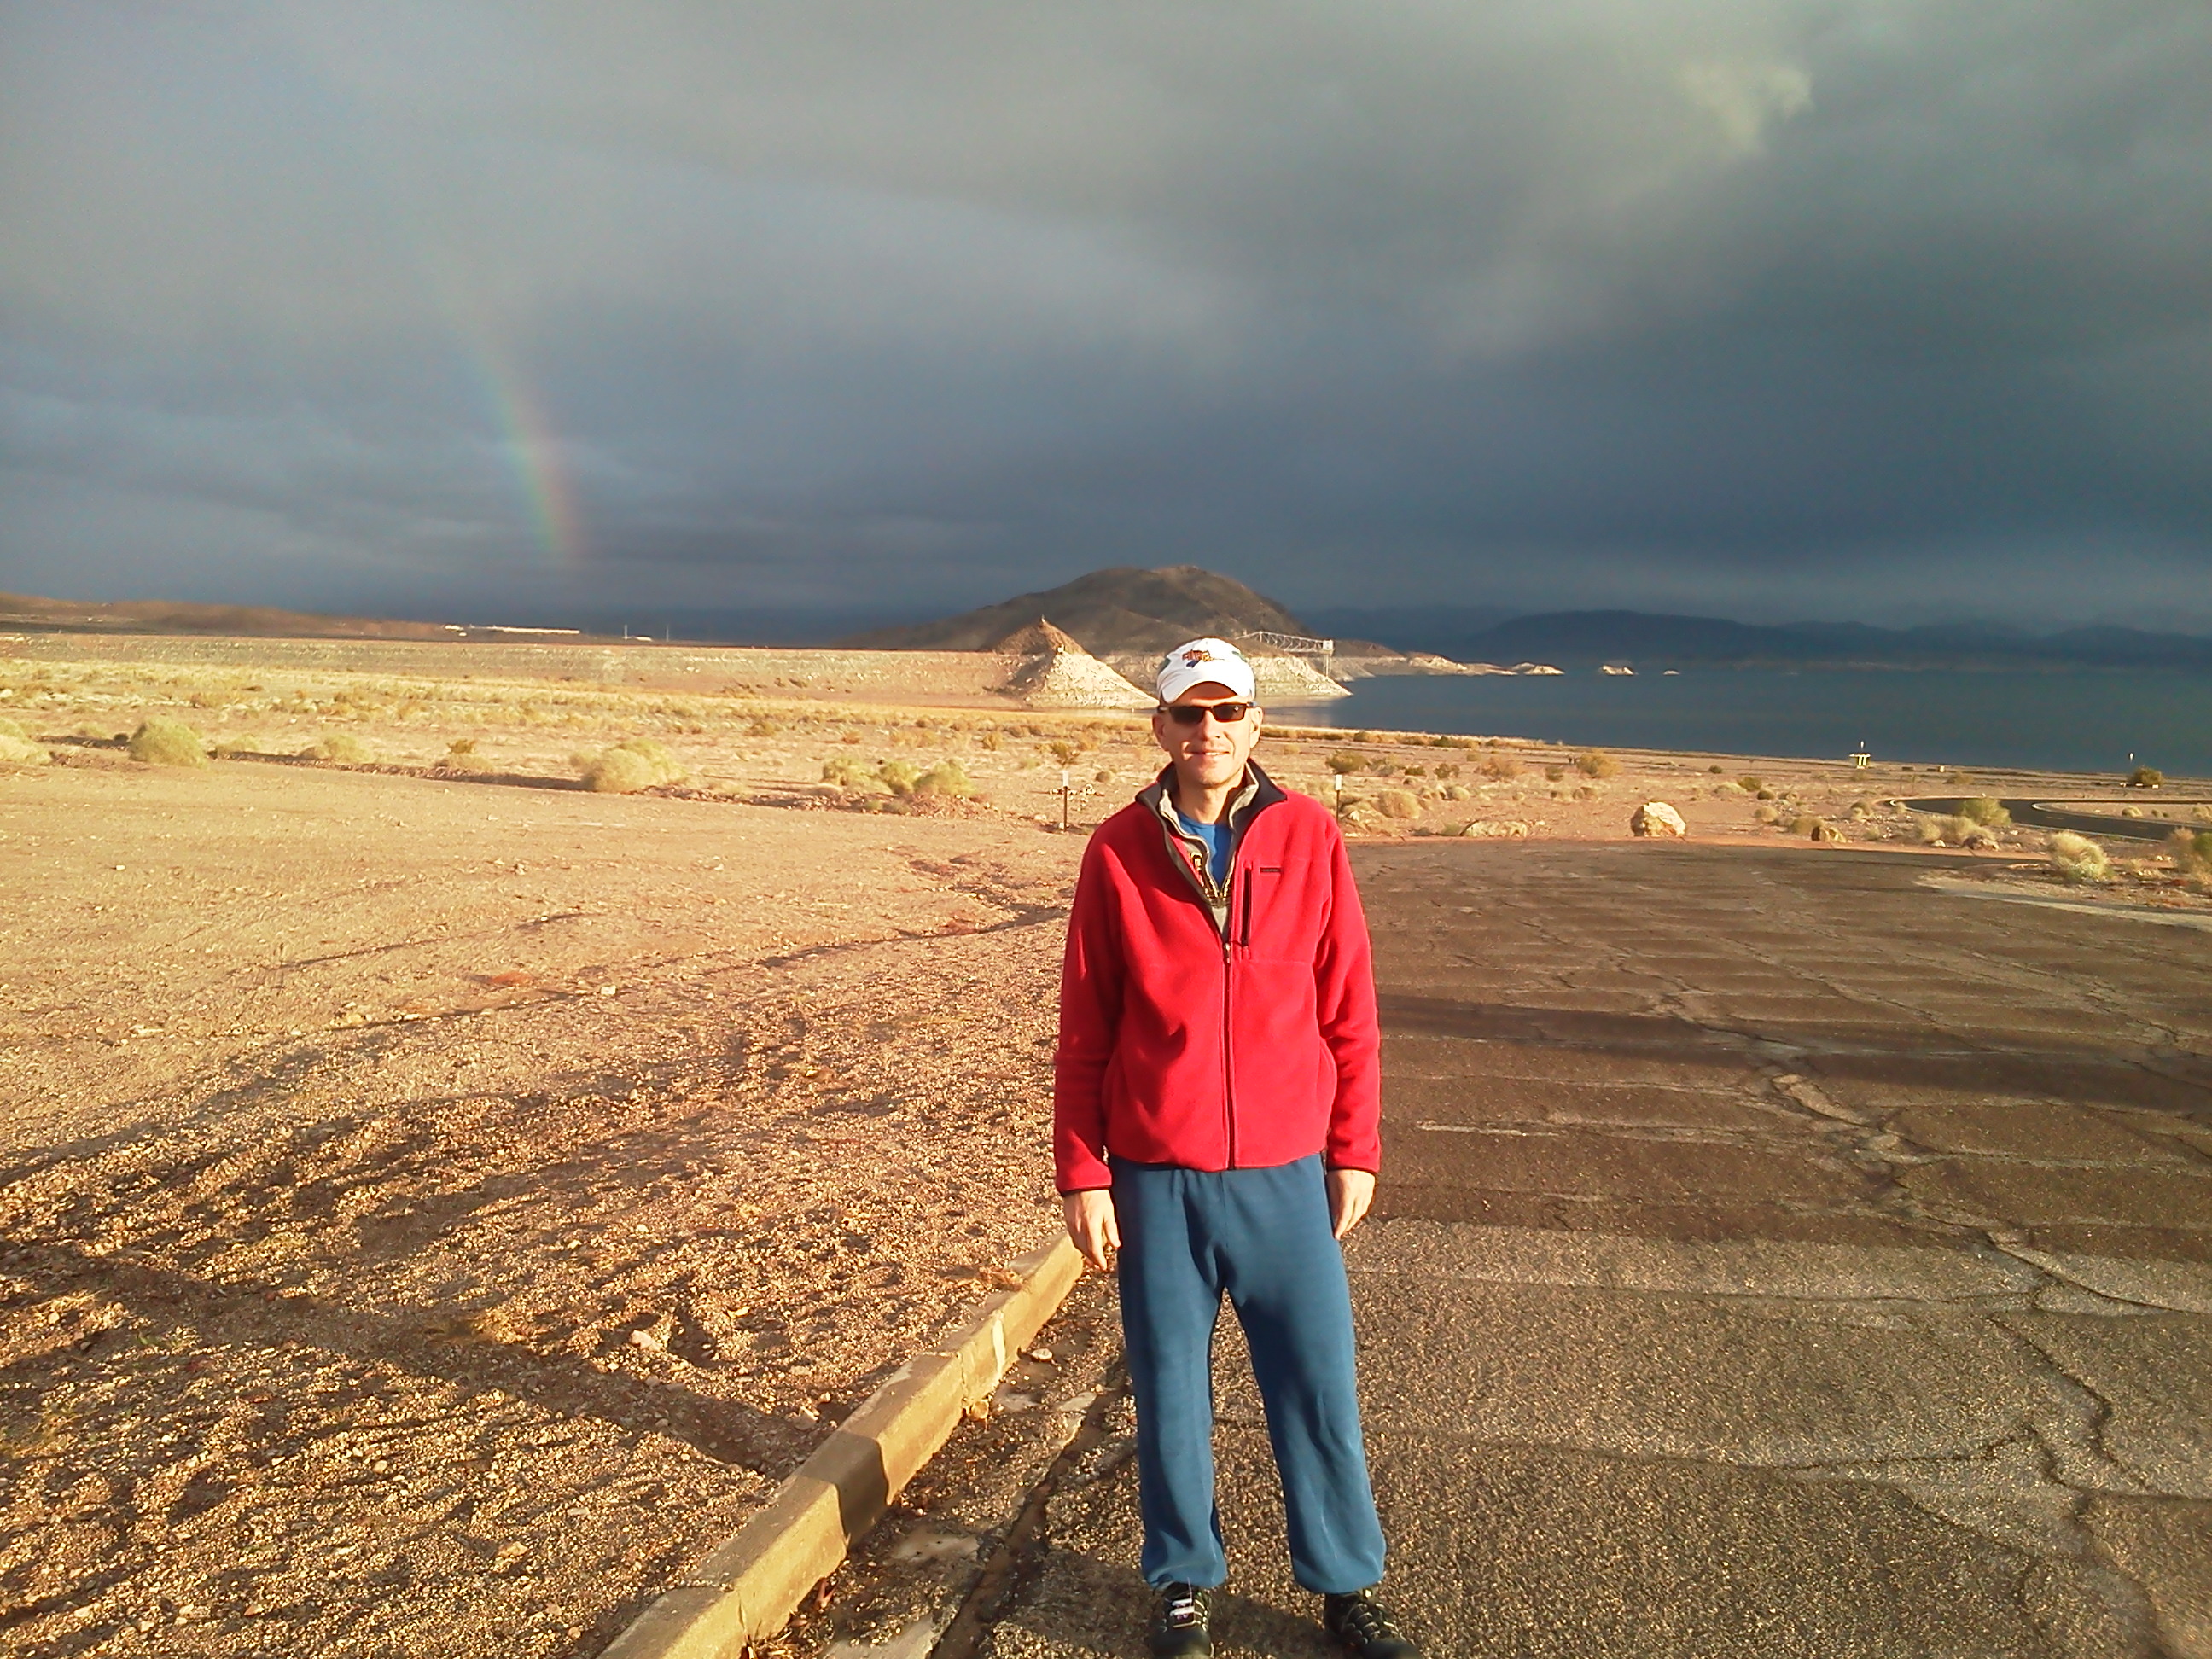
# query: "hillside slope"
x,y
1120,611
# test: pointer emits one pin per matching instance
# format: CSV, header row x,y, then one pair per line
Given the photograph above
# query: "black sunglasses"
x,y
1190,714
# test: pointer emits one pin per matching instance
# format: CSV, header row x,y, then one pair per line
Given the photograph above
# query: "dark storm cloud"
x,y
1856,306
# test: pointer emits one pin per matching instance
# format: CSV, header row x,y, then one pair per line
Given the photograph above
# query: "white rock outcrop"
x,y
1051,669
1656,817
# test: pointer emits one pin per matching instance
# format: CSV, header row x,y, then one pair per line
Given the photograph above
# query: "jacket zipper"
x,y
1228,1063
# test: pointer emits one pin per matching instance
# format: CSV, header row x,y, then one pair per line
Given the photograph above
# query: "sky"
x,y
1885,310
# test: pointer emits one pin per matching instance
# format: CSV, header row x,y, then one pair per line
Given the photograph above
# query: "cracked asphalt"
x,y
1775,1256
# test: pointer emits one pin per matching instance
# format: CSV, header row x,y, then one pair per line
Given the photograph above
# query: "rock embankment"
x,y
1051,669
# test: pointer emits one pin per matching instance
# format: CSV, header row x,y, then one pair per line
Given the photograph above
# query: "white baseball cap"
x,y
1196,662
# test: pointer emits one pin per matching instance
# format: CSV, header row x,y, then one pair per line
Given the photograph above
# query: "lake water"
x,y
2083,720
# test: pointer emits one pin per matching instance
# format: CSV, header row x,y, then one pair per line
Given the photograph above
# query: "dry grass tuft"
x,y
2076,858
2191,851
2146,777
340,748
947,779
1501,768
630,765
161,741
1596,763
17,748
1397,803
898,776
1984,810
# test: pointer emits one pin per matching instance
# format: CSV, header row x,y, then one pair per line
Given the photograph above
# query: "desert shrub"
x,y
1751,783
1102,777
947,778
1764,815
1763,794
240,744
615,772
762,728
1502,768
1554,773
1930,829
1445,769
1985,811
17,748
1344,765
1596,763
2146,777
850,772
1717,770
1455,792
2191,851
1062,750
1365,737
1803,824
461,748
635,763
992,740
898,776
1415,771
2076,858
159,741
1730,786
339,746
1397,803
1972,835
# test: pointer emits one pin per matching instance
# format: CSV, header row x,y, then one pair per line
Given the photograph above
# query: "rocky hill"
x,y
1119,612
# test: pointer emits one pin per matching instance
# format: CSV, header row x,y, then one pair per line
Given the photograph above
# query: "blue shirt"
x,y
1216,837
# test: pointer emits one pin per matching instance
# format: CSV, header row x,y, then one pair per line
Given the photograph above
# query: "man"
x,y
1215,1106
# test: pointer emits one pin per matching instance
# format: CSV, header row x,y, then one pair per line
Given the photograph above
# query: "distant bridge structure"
x,y
1299,644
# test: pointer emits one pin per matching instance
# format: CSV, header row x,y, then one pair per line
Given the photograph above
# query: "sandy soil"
x,y
433,1211
439,1200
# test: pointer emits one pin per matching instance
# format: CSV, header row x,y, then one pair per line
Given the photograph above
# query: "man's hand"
x,y
1091,1225
1350,1193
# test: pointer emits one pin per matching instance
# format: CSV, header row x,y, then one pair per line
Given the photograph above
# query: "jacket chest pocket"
x,y
1259,903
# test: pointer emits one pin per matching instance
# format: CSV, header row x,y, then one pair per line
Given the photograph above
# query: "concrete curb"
x,y
749,1586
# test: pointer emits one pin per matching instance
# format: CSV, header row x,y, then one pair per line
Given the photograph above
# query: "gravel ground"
x,y
416,1247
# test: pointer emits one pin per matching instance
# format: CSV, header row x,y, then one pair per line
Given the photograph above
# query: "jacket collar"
x,y
1189,855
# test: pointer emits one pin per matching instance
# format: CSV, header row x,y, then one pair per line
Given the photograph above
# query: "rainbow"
x,y
524,433
531,446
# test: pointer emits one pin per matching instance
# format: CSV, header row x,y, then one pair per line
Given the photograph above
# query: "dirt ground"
x,y
437,1201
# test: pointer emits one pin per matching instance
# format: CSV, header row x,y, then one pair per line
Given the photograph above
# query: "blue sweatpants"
x,y
1263,1237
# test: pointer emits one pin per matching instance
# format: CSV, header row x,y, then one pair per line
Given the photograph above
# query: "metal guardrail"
x,y
1300,644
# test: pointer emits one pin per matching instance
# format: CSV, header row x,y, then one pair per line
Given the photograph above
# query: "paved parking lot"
x,y
1777,1255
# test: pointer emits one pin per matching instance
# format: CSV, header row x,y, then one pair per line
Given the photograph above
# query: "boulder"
x,y
1656,817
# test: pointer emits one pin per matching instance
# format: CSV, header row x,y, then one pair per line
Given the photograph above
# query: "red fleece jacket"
x,y
1183,1041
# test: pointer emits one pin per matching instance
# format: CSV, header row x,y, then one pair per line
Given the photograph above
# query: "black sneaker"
x,y
1357,1624
1179,1624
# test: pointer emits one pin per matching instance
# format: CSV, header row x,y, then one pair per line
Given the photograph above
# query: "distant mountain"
x,y
1410,627
1121,611
175,617
1587,638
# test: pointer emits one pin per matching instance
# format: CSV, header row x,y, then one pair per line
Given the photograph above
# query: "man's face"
x,y
1212,752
